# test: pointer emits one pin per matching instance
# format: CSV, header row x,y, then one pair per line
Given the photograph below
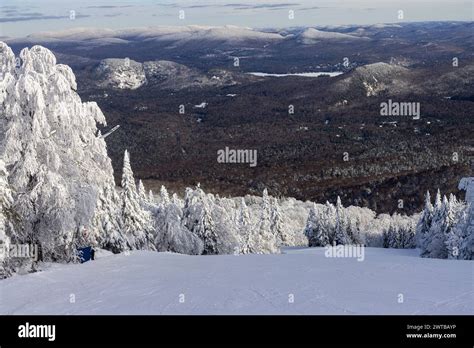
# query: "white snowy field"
x,y
166,283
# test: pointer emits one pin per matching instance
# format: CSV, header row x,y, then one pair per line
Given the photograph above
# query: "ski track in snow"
x,y
151,283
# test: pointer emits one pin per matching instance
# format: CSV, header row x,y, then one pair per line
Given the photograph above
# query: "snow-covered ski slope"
x,y
300,281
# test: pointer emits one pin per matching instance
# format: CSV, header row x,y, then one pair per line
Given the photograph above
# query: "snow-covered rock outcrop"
x,y
129,74
121,73
376,78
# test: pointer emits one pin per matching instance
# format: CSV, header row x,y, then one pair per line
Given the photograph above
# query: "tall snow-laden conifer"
x,y
266,241
436,247
165,198
341,236
142,192
206,230
107,221
246,231
151,197
137,223
277,224
311,225
424,224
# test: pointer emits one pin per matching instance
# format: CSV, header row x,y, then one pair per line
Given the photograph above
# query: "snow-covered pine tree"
x,y
243,216
322,231
457,230
57,160
311,225
177,201
390,236
464,230
436,245
165,198
244,226
410,240
266,241
426,238
137,223
318,227
151,197
211,220
355,232
454,241
277,224
424,224
330,221
396,233
406,236
106,224
341,236
451,240
206,230
142,192
222,210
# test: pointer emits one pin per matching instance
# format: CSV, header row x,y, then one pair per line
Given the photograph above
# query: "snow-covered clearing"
x,y
165,283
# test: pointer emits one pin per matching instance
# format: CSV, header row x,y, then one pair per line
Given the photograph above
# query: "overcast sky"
x,y
23,17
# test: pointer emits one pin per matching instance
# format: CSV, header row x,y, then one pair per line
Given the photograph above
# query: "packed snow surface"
x,y
165,283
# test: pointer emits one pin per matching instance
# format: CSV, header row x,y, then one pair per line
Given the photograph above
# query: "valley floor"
x,y
166,283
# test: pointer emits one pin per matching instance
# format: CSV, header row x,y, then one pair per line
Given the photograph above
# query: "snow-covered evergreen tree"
x,y
137,224
266,241
425,239
141,192
206,230
171,233
165,198
211,222
458,232
355,232
57,160
151,197
107,222
319,228
243,216
436,246
277,224
244,226
222,210
424,224
390,237
464,232
177,201
330,222
453,242
341,236
311,226
407,236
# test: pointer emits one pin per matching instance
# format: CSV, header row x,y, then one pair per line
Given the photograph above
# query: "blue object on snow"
x,y
85,254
